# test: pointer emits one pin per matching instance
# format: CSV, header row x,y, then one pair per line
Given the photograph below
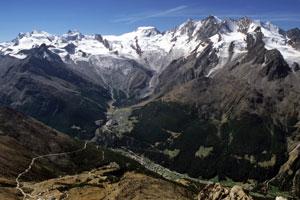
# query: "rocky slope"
x,y
45,88
108,182
67,168
216,191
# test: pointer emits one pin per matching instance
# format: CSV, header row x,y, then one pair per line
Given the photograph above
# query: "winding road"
x,y
19,187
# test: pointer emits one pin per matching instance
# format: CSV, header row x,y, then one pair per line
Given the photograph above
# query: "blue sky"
x,y
120,16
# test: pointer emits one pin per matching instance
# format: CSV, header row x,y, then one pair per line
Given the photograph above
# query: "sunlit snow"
x,y
152,49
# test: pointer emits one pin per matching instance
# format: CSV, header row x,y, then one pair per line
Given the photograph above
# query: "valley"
x,y
256,189
71,169
207,101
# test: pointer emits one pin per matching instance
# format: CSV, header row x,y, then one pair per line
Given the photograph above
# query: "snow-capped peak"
x,y
72,36
268,29
147,31
74,32
185,29
189,24
21,35
142,28
154,50
34,35
271,27
231,25
38,32
213,19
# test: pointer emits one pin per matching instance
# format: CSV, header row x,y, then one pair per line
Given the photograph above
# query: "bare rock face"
x,y
295,67
294,35
236,193
276,67
215,192
288,177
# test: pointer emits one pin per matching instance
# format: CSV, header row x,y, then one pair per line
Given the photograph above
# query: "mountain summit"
x,y
146,41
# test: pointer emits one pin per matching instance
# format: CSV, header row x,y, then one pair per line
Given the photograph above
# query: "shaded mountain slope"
x,y
239,121
42,86
86,170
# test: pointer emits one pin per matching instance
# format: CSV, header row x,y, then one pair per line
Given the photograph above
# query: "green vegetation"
x,y
158,169
171,154
214,179
206,148
156,117
204,151
63,112
271,194
274,191
122,99
119,94
227,182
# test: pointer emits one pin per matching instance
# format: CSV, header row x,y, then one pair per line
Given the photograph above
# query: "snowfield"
x,y
152,49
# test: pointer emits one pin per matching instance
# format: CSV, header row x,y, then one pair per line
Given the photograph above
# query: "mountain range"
x,y
211,98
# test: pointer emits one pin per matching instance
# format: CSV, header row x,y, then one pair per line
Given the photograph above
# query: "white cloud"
x,y
144,16
198,13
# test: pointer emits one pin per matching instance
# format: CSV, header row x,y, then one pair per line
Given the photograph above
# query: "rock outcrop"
x,y
280,198
215,191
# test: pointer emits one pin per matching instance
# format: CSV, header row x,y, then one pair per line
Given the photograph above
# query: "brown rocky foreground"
x,y
215,191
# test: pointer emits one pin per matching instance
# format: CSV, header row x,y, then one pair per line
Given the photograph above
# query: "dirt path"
x,y
295,149
19,187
